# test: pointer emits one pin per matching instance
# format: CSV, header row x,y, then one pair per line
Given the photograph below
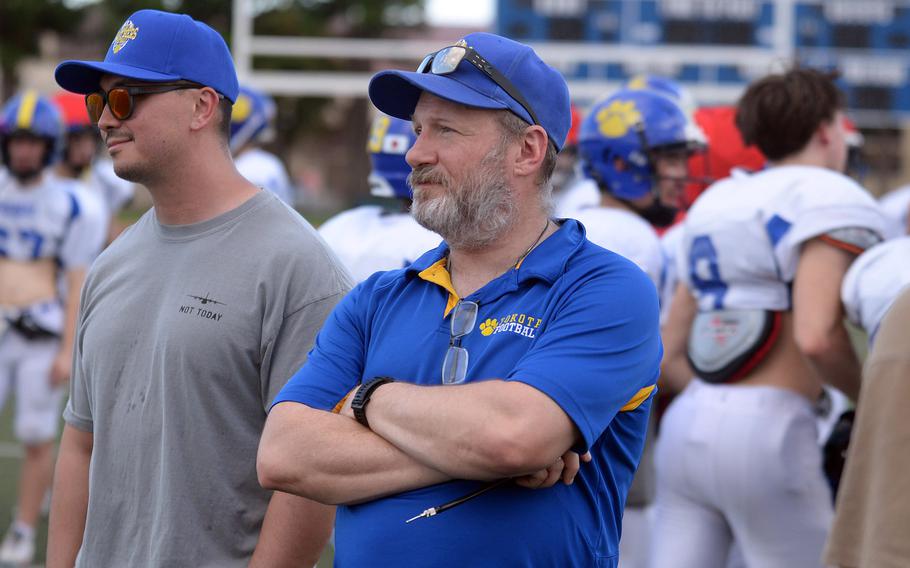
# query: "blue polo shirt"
x,y
575,321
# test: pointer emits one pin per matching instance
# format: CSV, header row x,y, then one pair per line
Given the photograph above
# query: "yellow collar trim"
x,y
439,275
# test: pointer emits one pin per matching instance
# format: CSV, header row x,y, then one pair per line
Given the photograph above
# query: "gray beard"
x,y
470,216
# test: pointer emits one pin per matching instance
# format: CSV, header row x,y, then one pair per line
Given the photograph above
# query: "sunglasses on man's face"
x,y
120,98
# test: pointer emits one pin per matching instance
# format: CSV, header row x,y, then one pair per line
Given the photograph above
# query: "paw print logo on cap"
x,y
615,120
487,327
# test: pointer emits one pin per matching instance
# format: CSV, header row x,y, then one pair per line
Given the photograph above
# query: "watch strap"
x,y
362,397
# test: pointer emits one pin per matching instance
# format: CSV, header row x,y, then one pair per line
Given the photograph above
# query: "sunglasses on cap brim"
x,y
446,60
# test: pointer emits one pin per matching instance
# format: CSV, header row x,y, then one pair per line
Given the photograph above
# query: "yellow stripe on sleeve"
x,y
638,399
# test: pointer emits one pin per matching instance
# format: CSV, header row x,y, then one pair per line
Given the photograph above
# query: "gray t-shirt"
x,y
186,333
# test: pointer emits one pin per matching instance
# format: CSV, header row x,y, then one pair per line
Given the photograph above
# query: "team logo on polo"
x,y
615,120
518,324
127,32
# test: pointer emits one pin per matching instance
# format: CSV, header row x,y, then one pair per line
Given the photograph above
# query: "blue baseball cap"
x,y
158,47
544,88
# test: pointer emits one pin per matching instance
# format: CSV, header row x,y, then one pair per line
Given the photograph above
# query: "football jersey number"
x,y
705,272
27,235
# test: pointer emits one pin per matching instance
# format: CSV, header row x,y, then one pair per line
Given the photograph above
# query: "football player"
x,y
582,195
874,281
370,238
725,154
634,146
759,318
896,206
80,160
47,235
251,126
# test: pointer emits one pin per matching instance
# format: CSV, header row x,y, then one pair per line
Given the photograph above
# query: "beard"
x,y
658,214
131,172
77,168
468,215
146,170
26,175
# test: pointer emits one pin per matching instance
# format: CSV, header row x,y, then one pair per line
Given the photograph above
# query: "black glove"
x,y
834,453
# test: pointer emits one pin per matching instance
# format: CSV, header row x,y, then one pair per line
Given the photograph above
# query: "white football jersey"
x,y
52,219
873,282
266,171
369,239
581,194
626,234
95,205
742,237
896,206
115,191
670,242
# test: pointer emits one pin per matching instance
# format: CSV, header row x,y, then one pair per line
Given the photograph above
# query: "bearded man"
x,y
492,365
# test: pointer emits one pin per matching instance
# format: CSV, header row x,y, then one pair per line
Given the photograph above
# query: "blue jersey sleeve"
x,y
335,364
600,351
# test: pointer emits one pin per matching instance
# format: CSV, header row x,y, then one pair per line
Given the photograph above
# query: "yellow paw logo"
x,y
615,120
487,327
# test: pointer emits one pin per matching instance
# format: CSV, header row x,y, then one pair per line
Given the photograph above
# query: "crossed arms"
x,y
559,395
418,436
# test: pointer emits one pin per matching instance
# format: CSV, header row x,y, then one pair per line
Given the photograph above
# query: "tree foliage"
x,y
22,23
96,21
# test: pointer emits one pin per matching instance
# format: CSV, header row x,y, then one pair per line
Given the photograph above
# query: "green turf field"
x,y
10,455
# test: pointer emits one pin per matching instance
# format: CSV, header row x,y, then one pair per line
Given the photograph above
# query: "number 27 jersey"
x,y
742,238
49,220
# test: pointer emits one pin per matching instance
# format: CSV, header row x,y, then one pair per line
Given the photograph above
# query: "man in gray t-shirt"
x,y
190,323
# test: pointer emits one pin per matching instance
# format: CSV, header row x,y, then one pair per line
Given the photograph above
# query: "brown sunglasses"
x,y
120,99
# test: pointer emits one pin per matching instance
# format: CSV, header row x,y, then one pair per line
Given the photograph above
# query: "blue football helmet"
x,y
30,113
620,135
390,139
251,117
665,86
680,95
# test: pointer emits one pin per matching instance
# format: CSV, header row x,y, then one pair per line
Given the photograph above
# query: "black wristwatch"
x,y
362,397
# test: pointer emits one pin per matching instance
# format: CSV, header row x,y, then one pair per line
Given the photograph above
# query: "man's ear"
x,y
823,132
205,110
532,151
